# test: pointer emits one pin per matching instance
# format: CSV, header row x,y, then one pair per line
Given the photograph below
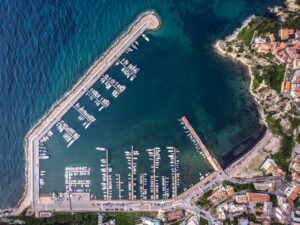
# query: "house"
x,y
285,33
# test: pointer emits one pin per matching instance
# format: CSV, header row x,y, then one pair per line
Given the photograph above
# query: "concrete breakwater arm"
x,y
146,21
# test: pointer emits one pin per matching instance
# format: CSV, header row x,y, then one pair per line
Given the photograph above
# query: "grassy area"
x,y
203,200
246,35
264,25
240,187
286,145
121,218
295,123
203,221
273,75
62,219
284,153
257,78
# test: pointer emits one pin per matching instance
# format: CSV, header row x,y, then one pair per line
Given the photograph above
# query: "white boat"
x,y
44,157
100,149
145,37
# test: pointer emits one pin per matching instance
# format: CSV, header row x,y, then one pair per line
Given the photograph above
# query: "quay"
x,y
212,160
148,20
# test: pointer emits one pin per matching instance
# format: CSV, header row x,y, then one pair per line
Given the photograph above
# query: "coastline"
x,y
265,139
153,23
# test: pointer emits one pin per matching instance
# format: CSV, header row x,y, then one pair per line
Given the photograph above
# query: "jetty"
x,y
212,160
148,20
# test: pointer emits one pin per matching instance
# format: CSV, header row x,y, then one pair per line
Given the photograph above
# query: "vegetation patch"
x,y
273,75
203,221
203,200
240,187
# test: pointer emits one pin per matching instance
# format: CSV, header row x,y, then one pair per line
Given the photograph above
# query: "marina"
x,y
141,173
159,177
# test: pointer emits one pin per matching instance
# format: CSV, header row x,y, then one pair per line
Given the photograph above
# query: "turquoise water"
x,y
47,45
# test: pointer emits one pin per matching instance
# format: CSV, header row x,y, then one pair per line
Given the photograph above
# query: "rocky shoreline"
x,y
268,101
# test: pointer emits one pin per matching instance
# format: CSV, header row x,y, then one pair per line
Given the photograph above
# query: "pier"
x,y
212,160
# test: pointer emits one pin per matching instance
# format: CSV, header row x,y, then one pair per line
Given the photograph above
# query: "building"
x,y
292,192
175,215
108,222
243,221
241,198
297,34
229,209
287,86
148,221
295,92
263,49
268,209
269,166
257,197
295,164
221,194
45,214
296,177
280,215
296,64
285,33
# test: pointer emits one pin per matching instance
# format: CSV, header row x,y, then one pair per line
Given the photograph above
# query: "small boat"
x,y
100,149
145,37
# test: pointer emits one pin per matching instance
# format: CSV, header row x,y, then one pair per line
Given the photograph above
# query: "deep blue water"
x,y
47,45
